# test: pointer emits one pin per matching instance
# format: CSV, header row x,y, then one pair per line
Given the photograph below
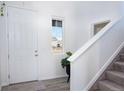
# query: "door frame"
x,y
8,41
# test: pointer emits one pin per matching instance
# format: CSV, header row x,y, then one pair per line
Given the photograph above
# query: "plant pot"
x,y
68,72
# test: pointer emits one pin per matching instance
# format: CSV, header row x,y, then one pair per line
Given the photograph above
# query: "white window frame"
x,y
63,33
95,23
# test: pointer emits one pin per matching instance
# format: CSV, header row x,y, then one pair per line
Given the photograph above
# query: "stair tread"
x,y
111,86
116,73
122,54
119,63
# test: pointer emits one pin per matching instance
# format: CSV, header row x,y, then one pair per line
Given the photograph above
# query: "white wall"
x,y
78,19
92,12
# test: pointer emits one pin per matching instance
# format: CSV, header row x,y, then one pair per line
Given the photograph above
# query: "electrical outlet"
x,y
2,14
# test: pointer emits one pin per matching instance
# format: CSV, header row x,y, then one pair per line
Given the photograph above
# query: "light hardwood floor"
x,y
58,84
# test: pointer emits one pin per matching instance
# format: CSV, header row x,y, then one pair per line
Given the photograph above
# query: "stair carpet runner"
x,y
114,78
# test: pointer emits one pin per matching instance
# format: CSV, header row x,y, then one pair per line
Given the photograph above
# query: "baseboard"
x,y
53,77
104,67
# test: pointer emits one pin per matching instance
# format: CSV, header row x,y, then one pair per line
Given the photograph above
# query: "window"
x,y
99,26
57,36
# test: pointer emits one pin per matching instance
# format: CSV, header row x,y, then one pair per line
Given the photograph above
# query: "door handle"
x,y
36,54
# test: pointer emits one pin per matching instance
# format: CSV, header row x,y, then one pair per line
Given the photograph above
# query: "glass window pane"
x,y
53,22
59,23
57,32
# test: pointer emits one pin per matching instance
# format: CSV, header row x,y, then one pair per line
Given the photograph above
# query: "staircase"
x,y
113,78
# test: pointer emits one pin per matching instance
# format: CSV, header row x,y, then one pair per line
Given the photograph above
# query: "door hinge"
x,y
8,76
8,56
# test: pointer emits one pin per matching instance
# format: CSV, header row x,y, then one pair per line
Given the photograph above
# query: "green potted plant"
x,y
66,63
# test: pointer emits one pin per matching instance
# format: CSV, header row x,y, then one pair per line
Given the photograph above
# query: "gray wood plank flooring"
x,y
58,84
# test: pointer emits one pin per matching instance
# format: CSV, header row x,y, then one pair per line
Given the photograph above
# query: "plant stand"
x,y
68,72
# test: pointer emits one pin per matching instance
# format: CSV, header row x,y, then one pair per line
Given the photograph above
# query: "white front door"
x,y
22,29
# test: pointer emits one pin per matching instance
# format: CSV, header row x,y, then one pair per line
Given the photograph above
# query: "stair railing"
x,y
92,56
